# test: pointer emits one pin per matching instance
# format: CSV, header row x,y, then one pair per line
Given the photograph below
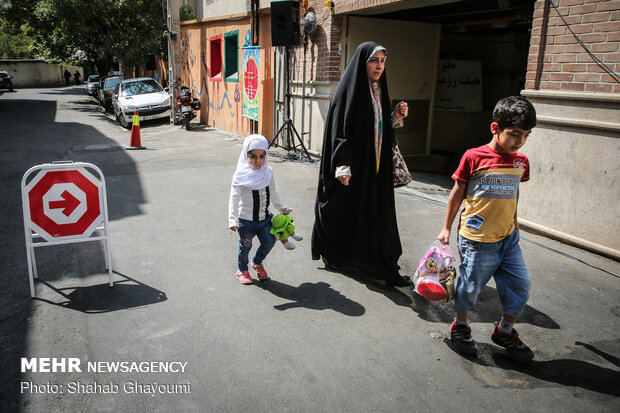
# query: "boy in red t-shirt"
x,y
487,179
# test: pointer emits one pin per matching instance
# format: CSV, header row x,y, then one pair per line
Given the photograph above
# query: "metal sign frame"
x,y
36,236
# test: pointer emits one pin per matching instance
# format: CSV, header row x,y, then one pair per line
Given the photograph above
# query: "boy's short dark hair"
x,y
515,111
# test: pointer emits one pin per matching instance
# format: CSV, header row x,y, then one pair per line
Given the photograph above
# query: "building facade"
x,y
573,81
451,60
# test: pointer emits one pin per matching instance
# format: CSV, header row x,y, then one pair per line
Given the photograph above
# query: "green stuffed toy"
x,y
282,226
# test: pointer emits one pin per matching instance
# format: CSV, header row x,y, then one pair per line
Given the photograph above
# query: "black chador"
x,y
355,226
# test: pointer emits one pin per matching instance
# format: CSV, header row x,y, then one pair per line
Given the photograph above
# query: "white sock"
x,y
297,237
505,327
463,323
289,245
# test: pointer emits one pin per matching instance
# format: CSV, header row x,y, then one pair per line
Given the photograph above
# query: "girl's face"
x,y
376,65
256,158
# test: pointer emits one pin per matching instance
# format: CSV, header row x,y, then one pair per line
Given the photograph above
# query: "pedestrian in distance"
x,y
487,180
355,194
252,191
67,77
77,77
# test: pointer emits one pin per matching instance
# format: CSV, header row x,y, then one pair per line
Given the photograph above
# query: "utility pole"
x,y
172,31
255,21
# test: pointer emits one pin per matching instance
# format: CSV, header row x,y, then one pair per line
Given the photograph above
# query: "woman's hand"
x,y
401,111
344,179
233,229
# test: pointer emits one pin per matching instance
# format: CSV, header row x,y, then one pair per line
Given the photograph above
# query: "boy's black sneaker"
x,y
460,334
513,344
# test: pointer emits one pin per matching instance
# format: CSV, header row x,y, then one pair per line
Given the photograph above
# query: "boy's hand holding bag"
x,y
435,276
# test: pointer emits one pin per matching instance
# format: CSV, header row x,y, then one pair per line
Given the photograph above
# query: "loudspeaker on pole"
x,y
285,23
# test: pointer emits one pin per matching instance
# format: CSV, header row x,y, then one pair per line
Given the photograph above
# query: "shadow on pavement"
x,y
32,136
488,310
199,127
488,307
314,296
101,298
564,371
67,90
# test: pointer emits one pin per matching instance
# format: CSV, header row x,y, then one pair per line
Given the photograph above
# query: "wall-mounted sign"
x,y
250,81
459,86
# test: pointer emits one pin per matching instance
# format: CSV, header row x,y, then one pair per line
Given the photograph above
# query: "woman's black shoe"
x,y
331,266
401,281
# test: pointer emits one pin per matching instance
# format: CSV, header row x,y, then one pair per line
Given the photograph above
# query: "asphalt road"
x,y
309,341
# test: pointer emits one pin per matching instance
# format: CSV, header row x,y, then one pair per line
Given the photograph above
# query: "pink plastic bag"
x,y
434,277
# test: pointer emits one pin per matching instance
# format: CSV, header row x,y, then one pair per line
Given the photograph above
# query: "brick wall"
x,y
322,47
558,62
347,6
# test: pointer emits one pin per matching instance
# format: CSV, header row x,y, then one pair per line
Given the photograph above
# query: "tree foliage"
x,y
92,31
186,13
14,44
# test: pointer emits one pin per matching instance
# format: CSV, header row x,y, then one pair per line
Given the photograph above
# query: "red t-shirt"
x,y
491,199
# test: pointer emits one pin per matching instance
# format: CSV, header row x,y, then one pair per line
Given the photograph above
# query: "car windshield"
x,y
93,78
141,87
111,82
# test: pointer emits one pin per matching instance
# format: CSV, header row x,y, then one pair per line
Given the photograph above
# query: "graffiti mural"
x,y
224,99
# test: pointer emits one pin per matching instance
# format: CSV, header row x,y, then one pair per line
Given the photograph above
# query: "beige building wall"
x,y
575,150
221,98
38,73
574,157
216,8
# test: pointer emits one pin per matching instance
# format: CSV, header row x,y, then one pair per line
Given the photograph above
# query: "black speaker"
x,y
285,23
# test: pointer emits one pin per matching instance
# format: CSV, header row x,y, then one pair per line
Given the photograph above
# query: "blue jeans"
x,y
501,260
248,230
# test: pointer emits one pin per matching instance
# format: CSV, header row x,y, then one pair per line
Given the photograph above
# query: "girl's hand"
x,y
233,229
344,179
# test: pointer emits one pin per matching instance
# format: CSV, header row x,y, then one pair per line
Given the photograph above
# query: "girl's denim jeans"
x,y
248,230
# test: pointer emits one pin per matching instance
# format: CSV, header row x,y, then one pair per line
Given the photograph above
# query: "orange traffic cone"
x,y
135,143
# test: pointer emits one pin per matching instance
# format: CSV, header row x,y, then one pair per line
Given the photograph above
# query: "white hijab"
x,y
246,176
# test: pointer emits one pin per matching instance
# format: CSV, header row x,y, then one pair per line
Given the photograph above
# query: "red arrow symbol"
x,y
69,204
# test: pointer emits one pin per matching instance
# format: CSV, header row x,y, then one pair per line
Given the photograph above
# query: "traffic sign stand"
x,y
64,203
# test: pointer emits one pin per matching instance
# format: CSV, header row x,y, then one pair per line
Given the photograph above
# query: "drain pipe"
x,y
303,95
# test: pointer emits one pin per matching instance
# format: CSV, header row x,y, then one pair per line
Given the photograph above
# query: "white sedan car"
x,y
143,94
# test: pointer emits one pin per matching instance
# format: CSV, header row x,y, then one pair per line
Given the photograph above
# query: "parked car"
x,y
98,87
91,84
143,94
5,81
106,89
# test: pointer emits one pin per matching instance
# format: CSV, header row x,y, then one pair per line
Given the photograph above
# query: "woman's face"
x,y
376,66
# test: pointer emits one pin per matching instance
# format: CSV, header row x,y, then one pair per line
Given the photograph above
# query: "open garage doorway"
x,y
482,57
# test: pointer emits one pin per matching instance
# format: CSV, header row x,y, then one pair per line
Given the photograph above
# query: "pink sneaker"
x,y
260,270
244,277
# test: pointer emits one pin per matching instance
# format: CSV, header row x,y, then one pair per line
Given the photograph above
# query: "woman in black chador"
x,y
355,227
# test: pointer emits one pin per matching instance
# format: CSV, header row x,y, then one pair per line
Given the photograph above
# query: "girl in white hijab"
x,y
252,191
